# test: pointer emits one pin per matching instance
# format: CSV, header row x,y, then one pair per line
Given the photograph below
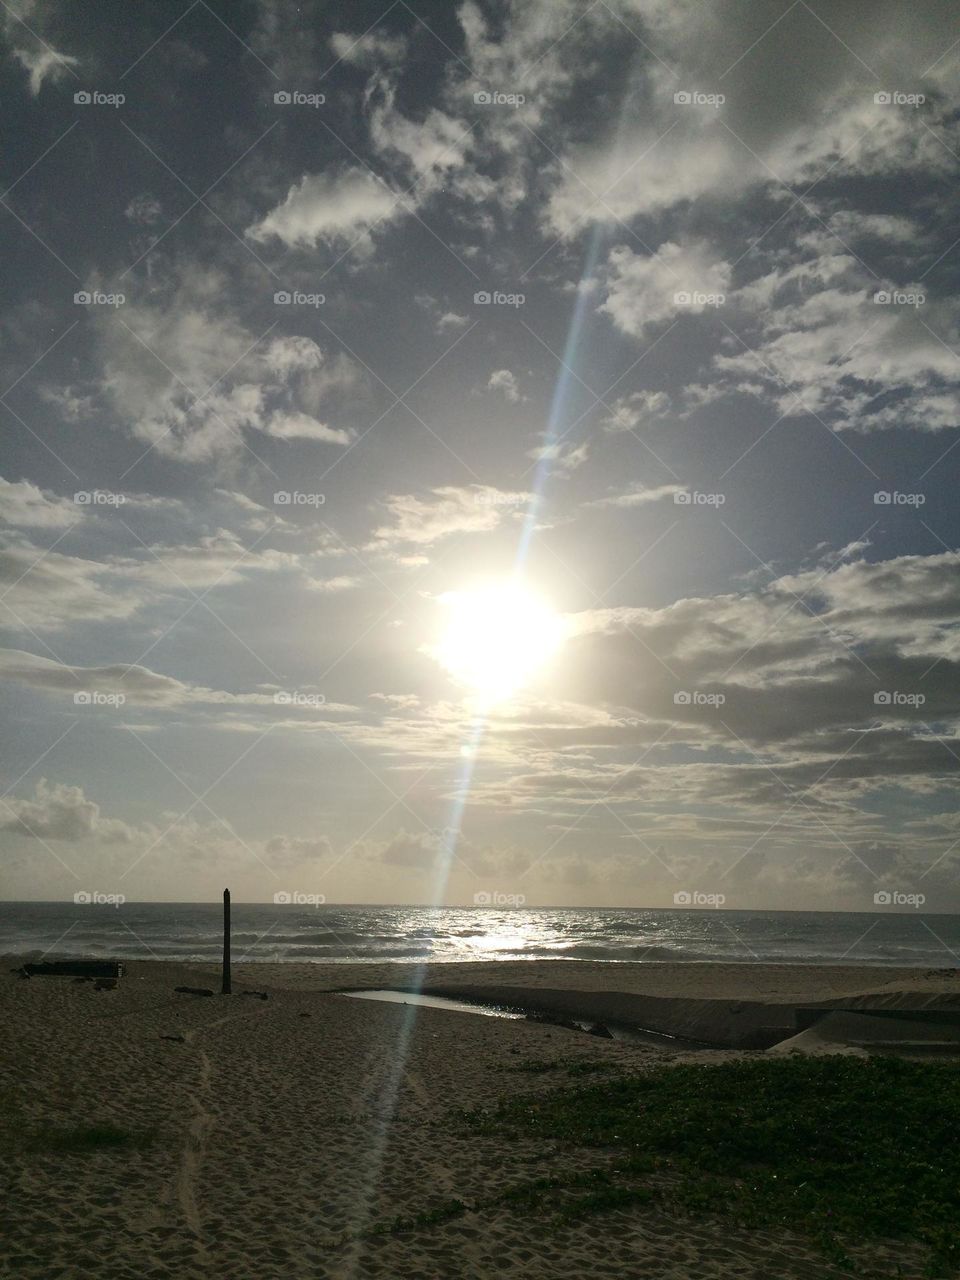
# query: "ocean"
x,y
344,934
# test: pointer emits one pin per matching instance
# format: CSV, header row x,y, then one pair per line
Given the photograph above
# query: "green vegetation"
x,y
85,1139
572,1066
429,1218
834,1146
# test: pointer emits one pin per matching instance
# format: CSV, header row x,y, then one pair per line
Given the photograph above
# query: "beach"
x,y
285,1133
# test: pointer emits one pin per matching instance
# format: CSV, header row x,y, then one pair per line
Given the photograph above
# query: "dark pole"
x,y
225,986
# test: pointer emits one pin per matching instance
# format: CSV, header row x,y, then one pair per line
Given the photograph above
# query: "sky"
x,y
320,318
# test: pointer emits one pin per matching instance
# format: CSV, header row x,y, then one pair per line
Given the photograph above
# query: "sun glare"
x,y
497,638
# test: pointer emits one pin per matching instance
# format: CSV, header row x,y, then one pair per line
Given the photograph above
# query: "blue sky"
x,y
314,315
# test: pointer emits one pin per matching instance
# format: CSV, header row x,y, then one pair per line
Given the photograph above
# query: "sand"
x,y
284,1129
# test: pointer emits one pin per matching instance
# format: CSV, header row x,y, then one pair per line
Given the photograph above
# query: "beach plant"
x,y
839,1147
86,1139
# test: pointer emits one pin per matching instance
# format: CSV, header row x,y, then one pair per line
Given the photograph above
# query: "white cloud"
x,y
677,279
59,812
566,458
324,208
639,497
368,49
24,505
300,426
448,510
43,64
505,381
629,413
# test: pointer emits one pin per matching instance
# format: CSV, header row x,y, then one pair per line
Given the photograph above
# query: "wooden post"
x,y
225,986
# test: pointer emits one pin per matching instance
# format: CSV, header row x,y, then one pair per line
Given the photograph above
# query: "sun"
x,y
498,636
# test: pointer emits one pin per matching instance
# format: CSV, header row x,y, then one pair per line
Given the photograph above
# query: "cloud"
x,y
284,851
368,49
60,812
820,340
450,320
565,458
448,510
184,374
638,497
44,64
24,505
505,381
677,279
325,208
801,104
300,426
629,413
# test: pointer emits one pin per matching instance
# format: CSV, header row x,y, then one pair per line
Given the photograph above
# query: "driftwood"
x,y
194,991
261,995
74,969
